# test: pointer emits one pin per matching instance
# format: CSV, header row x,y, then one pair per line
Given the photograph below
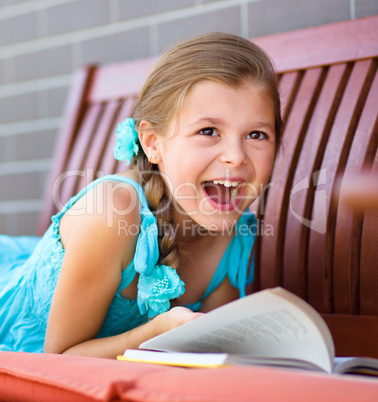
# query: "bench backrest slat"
x,y
352,273
301,201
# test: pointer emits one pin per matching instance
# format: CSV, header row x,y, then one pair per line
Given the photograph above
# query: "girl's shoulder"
x,y
110,193
130,177
108,205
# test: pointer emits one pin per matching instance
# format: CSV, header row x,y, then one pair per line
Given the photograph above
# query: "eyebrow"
x,y
262,124
211,120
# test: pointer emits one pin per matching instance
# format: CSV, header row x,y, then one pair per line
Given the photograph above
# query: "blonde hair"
x,y
220,57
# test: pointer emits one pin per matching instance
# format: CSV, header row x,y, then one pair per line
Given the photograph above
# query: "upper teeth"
x,y
227,183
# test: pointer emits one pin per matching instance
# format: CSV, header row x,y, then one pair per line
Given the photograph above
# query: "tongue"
x,y
219,193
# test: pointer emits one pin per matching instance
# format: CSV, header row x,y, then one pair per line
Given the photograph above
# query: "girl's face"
x,y
218,153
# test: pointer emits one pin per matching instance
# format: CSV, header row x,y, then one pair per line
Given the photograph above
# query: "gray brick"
x,y
10,151
273,16
3,224
12,2
21,186
2,150
11,224
57,101
26,223
1,72
33,145
76,15
365,8
51,102
119,47
19,224
43,176
18,108
138,8
45,63
43,104
227,20
18,29
8,70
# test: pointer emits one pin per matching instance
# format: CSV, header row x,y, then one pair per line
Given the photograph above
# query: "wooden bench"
x,y
320,250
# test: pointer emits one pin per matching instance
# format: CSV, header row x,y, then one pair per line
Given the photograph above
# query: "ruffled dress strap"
x,y
235,262
242,275
157,284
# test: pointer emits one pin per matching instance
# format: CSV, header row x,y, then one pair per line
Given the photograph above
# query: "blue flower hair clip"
x,y
127,144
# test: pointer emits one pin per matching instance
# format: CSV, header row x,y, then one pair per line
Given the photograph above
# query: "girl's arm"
x,y
113,346
96,251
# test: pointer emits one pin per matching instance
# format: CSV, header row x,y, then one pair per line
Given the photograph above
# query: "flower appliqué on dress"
x,y
127,144
156,290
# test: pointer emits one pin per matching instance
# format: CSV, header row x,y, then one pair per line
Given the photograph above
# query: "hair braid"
x,y
161,206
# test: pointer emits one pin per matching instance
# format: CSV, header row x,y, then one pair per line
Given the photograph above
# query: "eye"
x,y
208,131
257,135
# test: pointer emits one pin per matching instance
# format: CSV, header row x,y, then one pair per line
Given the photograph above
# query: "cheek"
x,y
263,164
263,170
186,192
180,179
268,165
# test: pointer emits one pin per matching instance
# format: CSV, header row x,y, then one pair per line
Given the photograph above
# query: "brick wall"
x,y
43,41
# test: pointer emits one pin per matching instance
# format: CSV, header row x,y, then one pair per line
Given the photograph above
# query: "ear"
x,y
150,141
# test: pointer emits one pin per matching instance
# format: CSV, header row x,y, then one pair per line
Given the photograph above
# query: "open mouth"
x,y
222,192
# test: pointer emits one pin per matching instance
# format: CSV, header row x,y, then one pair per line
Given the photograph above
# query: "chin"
x,y
219,224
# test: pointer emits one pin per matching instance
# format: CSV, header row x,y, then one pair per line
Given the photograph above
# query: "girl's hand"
x,y
174,318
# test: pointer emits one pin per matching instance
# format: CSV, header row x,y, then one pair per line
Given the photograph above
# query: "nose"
x,y
233,152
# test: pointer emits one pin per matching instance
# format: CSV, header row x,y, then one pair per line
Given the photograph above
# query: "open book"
x,y
272,327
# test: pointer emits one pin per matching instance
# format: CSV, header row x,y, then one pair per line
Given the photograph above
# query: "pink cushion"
x,y
44,377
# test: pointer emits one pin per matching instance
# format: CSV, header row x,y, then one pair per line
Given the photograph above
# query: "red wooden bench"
x,y
329,91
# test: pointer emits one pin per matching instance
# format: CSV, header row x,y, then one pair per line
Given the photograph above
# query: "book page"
x,y
356,365
349,365
209,360
269,323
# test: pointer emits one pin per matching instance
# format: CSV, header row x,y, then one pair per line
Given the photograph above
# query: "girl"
x,y
136,254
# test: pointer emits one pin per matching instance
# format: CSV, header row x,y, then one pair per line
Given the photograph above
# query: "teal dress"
x,y
30,266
